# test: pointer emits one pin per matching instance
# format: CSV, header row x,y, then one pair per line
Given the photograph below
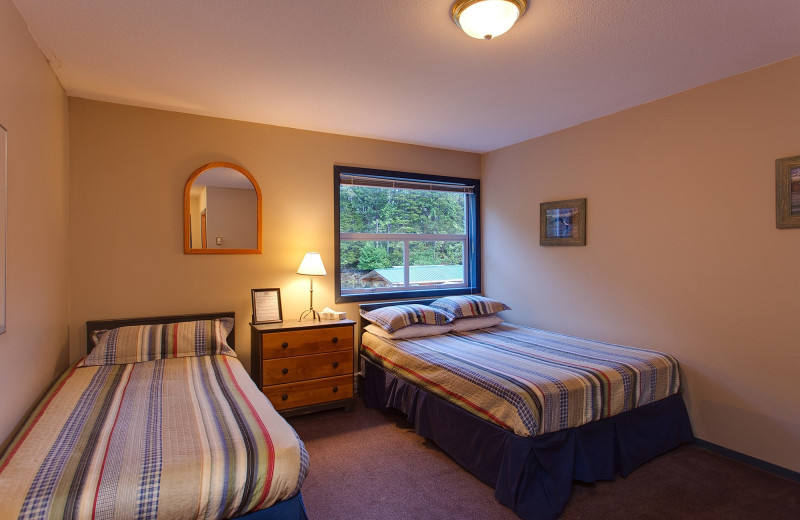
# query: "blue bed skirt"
x,y
533,475
291,509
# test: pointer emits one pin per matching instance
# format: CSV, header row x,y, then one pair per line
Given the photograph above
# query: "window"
x,y
401,235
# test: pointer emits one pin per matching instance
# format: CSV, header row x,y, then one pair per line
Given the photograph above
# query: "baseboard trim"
x,y
750,461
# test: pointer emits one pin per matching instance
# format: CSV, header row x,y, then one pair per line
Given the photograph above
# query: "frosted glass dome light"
x,y
487,19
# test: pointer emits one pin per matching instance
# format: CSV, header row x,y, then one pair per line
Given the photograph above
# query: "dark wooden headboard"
x,y
94,325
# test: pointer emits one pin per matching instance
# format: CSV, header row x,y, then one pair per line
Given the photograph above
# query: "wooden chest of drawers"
x,y
304,366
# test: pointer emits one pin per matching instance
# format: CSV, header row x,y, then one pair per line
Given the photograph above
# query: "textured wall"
x,y
682,251
128,170
33,108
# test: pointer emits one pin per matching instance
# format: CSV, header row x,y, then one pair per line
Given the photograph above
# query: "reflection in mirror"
x,y
222,211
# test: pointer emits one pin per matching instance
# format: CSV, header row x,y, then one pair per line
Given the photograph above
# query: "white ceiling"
x,y
402,70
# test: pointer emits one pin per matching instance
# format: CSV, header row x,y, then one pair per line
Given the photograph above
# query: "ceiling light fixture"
x,y
487,19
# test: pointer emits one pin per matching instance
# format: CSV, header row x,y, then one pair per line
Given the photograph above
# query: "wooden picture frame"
x,y
562,223
787,192
3,223
266,306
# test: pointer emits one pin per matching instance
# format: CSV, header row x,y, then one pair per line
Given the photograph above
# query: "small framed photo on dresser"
x,y
266,306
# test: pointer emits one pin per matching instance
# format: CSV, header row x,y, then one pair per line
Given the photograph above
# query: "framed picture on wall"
x,y
266,306
562,223
787,192
3,213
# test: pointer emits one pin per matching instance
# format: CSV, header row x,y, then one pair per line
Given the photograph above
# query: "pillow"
x,y
396,317
476,322
137,343
471,305
418,330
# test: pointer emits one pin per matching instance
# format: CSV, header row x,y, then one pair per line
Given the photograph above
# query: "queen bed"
x,y
526,411
160,420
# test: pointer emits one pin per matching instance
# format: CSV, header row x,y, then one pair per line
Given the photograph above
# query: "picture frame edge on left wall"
x,y
3,223
785,218
266,306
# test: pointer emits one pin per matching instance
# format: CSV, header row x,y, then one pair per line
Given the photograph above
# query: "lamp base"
x,y
310,312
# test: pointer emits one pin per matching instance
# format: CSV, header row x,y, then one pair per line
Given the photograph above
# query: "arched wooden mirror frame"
x,y
187,229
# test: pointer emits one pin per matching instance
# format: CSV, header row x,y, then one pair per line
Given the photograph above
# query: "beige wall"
x,y
682,252
128,170
33,108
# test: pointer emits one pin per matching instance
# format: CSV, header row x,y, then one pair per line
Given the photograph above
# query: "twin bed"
x,y
159,421
526,411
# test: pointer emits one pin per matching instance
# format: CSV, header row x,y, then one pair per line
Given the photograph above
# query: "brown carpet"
x,y
371,465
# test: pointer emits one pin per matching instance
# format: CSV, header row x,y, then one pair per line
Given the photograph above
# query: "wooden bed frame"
x,y
94,325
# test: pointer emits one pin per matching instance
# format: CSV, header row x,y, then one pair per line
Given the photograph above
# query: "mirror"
x,y
221,211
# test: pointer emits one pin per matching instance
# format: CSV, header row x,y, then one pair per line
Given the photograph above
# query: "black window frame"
x,y
473,284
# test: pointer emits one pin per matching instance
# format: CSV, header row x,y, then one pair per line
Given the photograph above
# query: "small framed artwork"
x,y
267,306
562,223
787,192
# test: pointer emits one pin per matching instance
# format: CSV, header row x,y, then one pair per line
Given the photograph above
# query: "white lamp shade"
x,y
312,265
488,19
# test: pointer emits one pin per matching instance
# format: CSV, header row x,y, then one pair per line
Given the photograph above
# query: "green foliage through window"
x,y
366,209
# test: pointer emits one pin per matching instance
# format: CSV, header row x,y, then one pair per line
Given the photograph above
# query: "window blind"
x,y
405,184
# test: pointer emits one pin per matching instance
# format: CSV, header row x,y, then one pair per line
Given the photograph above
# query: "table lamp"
x,y
311,266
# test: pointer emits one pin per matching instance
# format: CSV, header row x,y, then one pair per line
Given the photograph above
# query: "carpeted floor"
x,y
371,465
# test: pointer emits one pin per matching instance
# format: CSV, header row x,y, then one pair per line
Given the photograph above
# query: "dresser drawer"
x,y
315,366
304,342
292,395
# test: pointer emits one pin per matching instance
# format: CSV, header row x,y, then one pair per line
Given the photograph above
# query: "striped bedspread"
x,y
527,380
177,438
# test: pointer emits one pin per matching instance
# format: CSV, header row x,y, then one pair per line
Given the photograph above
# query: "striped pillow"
x,y
396,317
471,305
165,340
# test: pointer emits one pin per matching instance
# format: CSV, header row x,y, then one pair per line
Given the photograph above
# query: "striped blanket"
x,y
176,438
527,380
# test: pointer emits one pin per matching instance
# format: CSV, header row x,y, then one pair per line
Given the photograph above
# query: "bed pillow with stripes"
x,y
137,343
417,330
469,305
395,317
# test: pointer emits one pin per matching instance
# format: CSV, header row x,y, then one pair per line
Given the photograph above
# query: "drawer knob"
x,y
285,371
284,345
335,389
335,364
284,397
335,339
